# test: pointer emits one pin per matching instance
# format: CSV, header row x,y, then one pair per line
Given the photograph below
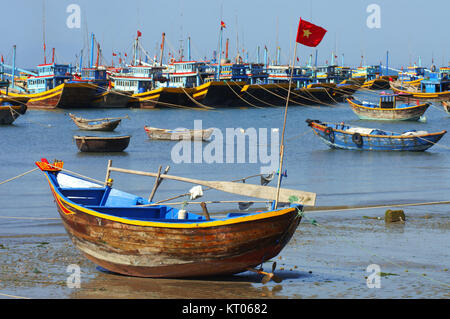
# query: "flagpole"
x,y
284,127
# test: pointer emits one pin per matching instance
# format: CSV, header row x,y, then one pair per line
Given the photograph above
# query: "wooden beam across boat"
x,y
250,190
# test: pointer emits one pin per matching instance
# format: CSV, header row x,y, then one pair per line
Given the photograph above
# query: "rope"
x,y
315,223
314,99
29,218
259,100
195,101
12,296
20,175
226,82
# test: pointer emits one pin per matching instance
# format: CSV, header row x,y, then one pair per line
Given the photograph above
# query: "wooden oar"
x,y
251,190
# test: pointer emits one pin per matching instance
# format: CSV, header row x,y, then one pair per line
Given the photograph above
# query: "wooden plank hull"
x,y
274,94
66,95
337,136
163,98
312,96
9,113
219,94
164,134
182,250
105,126
111,99
102,144
377,84
412,113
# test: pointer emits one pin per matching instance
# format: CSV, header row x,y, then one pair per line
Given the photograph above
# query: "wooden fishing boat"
x,y
163,97
339,92
111,99
381,83
347,137
263,95
10,112
314,96
434,88
101,124
219,93
389,108
102,143
65,95
155,133
127,234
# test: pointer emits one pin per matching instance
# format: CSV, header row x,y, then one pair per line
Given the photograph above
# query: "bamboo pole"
x,y
284,128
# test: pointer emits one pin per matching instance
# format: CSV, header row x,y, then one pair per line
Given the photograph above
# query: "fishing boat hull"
x,y
9,113
338,92
102,144
412,113
66,95
130,240
165,134
340,136
263,95
377,84
313,96
219,94
111,99
164,97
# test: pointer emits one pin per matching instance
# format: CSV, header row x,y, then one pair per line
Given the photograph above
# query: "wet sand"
x,y
327,258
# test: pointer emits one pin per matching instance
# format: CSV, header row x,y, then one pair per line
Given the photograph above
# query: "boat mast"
x,y
91,64
162,49
220,53
43,29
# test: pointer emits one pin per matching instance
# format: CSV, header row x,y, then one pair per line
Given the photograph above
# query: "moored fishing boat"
x,y
129,235
102,124
102,143
155,133
219,93
390,107
342,136
435,87
52,88
10,112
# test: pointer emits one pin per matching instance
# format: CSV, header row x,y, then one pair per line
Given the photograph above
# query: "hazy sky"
x,y
408,28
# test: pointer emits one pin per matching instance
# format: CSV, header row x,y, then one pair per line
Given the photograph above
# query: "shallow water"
x,y
324,261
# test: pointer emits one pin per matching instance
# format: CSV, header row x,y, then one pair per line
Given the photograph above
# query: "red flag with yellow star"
x,y
309,34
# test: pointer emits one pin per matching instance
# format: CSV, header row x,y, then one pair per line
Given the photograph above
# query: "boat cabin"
x,y
184,74
49,76
281,74
257,73
436,82
137,78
